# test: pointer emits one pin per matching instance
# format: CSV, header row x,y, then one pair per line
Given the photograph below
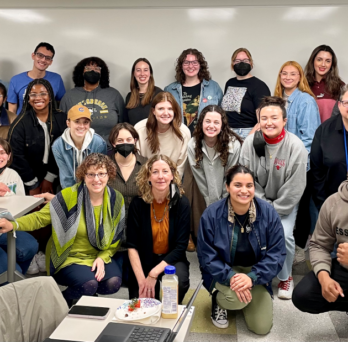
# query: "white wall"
x,y
273,34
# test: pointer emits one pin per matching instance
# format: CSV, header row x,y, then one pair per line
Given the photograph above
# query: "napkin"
x,y
147,321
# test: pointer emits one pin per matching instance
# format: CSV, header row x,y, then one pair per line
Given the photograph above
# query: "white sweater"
x,y
12,180
169,144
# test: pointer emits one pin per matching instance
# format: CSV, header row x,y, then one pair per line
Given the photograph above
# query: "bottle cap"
x,y
169,270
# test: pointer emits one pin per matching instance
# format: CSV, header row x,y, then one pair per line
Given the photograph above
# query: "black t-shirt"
x,y
134,115
241,99
190,99
244,255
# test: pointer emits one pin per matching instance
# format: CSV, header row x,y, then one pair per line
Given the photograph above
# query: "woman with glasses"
x,y
303,120
143,90
158,229
31,137
87,224
77,142
92,89
323,78
194,89
243,94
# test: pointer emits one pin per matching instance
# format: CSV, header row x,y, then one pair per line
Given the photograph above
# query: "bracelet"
x,y
152,277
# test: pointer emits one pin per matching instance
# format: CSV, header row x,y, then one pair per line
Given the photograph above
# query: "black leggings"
x,y
307,295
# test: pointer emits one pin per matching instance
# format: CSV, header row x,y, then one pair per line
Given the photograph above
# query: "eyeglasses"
x,y
36,95
344,103
92,68
93,175
246,60
285,74
2,153
41,56
193,63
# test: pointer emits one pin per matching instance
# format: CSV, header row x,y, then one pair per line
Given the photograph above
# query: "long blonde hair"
x,y
142,179
302,85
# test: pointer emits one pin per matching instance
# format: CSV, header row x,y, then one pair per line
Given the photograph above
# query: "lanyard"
x,y
345,145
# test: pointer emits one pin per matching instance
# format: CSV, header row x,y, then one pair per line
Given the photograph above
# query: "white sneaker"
x,y
33,268
41,261
285,288
299,256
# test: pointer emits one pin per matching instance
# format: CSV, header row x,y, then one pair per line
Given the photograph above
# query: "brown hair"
x,y
116,130
203,73
333,82
234,56
273,101
97,160
151,125
223,138
302,84
142,179
7,148
134,87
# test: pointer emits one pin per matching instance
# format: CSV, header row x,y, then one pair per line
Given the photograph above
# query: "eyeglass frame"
x,y
193,63
92,68
42,56
36,95
286,74
237,61
344,105
100,175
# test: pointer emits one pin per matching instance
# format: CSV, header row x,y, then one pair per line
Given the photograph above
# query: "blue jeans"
x,y
26,248
242,132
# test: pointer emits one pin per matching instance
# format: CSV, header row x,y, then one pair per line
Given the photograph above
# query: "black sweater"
x,y
328,161
139,231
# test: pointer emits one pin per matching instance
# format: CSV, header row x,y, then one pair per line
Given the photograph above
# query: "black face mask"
x,y
124,149
242,69
92,77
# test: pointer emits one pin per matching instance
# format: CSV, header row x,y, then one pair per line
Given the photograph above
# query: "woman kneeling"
x,y
87,225
158,228
241,248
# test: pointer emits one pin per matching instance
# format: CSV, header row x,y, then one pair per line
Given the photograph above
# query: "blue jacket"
x,y
210,91
217,243
65,156
303,118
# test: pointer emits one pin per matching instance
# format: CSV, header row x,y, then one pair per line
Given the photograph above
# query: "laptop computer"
x,y
120,332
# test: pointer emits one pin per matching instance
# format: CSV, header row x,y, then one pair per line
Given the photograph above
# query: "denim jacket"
x,y
303,118
66,158
210,91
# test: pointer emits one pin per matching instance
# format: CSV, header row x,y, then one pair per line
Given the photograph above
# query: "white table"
x,y
87,330
17,206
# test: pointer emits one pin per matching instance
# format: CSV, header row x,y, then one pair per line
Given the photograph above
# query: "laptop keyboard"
x,y
142,334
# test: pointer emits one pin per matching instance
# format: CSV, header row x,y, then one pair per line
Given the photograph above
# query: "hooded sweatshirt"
x,y
280,180
331,228
105,104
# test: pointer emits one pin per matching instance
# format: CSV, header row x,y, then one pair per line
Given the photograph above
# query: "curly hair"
x,y
302,84
142,179
223,139
96,160
27,106
333,82
151,124
80,67
116,130
203,73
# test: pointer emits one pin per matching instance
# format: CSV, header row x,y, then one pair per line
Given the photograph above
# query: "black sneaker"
x,y
218,315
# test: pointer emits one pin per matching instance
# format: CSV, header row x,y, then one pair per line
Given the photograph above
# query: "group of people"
x,y
131,186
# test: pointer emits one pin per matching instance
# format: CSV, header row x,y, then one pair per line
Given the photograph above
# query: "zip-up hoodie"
x,y
331,227
69,157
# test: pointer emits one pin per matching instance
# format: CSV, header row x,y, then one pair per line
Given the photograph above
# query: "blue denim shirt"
x,y
303,118
210,91
65,157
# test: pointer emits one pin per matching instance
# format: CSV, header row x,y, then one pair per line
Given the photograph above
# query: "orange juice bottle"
x,y
170,289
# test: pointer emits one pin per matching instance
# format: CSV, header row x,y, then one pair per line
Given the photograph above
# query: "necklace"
x,y
271,155
241,225
154,213
119,164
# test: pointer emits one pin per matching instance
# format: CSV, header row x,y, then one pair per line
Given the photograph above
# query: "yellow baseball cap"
x,y
79,111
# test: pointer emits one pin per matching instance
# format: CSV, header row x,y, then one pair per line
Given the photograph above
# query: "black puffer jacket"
x,y
27,139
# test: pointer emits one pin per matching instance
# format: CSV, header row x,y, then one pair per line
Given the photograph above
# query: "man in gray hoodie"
x,y
326,287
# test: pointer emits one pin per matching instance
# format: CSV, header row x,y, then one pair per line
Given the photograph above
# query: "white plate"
x,y
148,307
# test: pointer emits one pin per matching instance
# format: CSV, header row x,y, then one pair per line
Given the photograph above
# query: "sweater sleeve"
x,y
183,153
119,103
322,242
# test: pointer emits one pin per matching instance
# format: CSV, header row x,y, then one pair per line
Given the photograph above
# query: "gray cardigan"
x,y
210,177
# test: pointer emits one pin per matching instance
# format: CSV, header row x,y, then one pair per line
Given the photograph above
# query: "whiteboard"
x,y
273,34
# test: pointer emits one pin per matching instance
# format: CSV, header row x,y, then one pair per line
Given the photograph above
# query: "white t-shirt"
x,y
12,180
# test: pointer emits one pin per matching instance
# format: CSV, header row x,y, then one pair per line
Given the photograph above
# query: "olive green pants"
x,y
258,313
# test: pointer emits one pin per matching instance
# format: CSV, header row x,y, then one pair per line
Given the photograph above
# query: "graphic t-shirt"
x,y
190,101
18,86
241,99
11,179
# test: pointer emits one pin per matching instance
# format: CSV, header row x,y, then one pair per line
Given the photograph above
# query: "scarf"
x,y
65,210
252,212
275,140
